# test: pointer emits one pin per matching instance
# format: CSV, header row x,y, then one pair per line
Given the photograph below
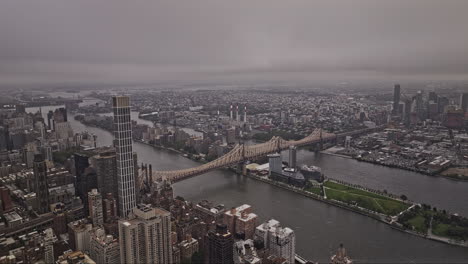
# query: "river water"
x,y
319,227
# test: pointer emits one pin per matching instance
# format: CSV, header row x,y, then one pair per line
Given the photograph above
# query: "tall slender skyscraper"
x,y
396,99
124,154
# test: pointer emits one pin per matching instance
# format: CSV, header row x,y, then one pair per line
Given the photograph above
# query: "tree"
x,y
403,197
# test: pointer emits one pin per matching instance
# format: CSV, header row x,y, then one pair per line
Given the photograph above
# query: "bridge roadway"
x,y
241,153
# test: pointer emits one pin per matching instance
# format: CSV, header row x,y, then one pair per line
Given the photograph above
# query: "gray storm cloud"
x,y
116,40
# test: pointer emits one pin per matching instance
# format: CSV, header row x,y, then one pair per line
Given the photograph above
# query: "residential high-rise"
x,y
188,247
79,234
49,240
104,249
241,220
109,207
124,154
278,241
145,236
40,184
59,224
5,199
396,99
63,130
95,207
220,245
292,157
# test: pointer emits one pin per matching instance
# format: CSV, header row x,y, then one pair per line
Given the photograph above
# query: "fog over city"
x,y
143,41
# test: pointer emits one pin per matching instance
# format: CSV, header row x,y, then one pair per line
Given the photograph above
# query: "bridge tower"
x,y
321,139
241,166
278,145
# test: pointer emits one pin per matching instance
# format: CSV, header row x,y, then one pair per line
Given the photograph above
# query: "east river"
x,y
319,227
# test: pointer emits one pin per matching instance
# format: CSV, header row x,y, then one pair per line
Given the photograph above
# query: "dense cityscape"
x,y
233,132
66,199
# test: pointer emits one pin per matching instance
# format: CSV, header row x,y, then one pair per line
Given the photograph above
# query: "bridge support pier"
x,y
242,168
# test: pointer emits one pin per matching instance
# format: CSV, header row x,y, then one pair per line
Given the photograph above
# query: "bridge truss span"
x,y
241,153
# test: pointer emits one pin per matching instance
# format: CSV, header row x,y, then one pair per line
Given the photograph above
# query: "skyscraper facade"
x,y
464,102
105,164
220,246
40,183
95,207
124,154
104,248
109,206
145,236
275,164
278,241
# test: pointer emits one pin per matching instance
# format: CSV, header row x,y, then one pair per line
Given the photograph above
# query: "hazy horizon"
x,y
117,42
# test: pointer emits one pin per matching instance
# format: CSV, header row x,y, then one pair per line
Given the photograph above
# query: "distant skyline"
x,y
117,41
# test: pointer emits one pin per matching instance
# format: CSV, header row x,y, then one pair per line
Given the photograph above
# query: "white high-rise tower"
x,y
145,237
124,154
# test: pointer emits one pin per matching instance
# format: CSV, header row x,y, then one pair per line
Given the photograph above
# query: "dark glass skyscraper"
x,y
40,184
396,99
464,102
219,246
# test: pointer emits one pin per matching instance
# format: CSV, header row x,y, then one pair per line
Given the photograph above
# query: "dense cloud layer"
x,y
121,40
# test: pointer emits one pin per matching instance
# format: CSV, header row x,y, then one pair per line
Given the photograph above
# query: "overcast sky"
x,y
45,41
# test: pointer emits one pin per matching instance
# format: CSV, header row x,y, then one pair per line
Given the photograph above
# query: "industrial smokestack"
x,y
231,111
237,113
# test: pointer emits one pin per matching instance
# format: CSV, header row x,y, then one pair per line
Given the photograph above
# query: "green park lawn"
x,y
440,229
364,199
419,224
314,189
446,230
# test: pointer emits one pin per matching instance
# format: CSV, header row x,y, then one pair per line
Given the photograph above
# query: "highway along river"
x,y
319,227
